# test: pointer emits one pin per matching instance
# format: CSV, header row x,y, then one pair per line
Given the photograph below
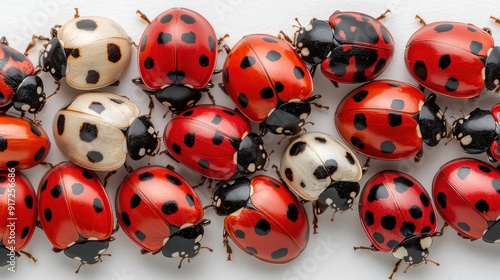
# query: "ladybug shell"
x,y
262,71
448,58
313,161
467,197
153,199
366,48
206,138
275,229
73,204
89,131
178,46
98,51
393,206
16,188
378,119
23,143
15,66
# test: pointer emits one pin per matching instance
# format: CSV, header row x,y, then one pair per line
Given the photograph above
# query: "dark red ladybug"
x,y
263,218
351,47
466,192
453,59
389,120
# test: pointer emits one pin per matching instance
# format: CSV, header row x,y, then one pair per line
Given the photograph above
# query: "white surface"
x,y
329,253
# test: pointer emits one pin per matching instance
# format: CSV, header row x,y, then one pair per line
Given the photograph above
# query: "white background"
x,y
329,253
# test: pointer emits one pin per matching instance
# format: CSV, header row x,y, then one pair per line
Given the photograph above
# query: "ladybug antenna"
x,y
58,86
281,139
143,16
167,112
210,206
383,15
29,255
462,112
47,164
449,140
80,266
180,263
207,248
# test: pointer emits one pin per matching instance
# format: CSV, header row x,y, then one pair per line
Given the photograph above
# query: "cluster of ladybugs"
x,y
270,81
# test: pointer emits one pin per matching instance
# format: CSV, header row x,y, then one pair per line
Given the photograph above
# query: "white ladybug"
x,y
92,52
97,130
319,168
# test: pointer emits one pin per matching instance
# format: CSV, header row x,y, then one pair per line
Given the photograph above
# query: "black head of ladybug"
x,y
231,196
251,155
492,69
432,123
142,138
413,250
87,251
53,58
30,96
178,97
338,196
185,242
475,131
315,41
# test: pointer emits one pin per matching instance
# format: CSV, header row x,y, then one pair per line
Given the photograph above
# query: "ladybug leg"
x,y
115,84
383,15
283,36
143,17
144,252
221,39
312,70
488,30
420,20
180,263
78,269
151,106
202,182
441,231
317,105
365,166
225,48
497,20
225,241
371,248
419,155
111,173
315,217
335,84
32,44
56,250
77,15
223,88
275,167
396,268
27,254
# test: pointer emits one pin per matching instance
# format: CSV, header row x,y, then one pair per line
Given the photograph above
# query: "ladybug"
x,y
177,56
351,47
453,59
97,130
467,197
23,143
269,83
320,168
263,218
215,141
75,213
478,132
91,52
160,212
18,210
388,120
398,216
20,85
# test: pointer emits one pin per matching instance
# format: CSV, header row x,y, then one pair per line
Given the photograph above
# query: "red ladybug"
x,y
388,120
75,213
397,215
19,215
215,141
23,143
263,218
269,83
466,192
160,212
19,84
177,57
453,59
351,47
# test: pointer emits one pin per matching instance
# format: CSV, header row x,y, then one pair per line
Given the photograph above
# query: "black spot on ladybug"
x,y
267,93
146,176
97,107
360,96
97,204
387,147
56,191
135,201
218,138
47,213
397,104
270,40
17,56
35,129
395,119
92,77
360,122
39,154
189,139
392,243
144,42
149,63
25,232
444,61
262,227
166,18
2,190
12,163
87,174
425,230
463,226
463,172
189,200
88,132
280,253
416,212
15,77
451,84
369,218
187,19
2,97
320,140
3,179
289,174
297,148
239,233
444,27
77,188
496,185
379,66
43,185
28,201
482,206
403,184
188,38
292,212
247,62
252,250
298,72
140,235
188,113
176,148
378,237
169,207
407,228
484,168
204,163
441,199
211,43
432,217
273,56
475,47
86,24
323,171
114,53
243,100
420,70
174,180
279,87
425,200
94,156
126,219
377,192
388,222
216,120
357,143
203,60
164,38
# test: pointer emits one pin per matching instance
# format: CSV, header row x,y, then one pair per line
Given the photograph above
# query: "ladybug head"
x,y
338,196
231,196
178,97
30,96
185,242
476,131
413,250
315,41
288,119
432,123
53,58
492,69
142,138
251,154
88,251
